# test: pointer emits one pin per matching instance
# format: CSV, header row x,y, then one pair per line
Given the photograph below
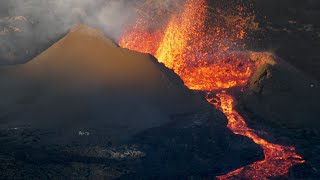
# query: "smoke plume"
x,y
29,27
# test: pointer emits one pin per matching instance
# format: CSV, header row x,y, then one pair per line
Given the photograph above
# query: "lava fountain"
x,y
204,56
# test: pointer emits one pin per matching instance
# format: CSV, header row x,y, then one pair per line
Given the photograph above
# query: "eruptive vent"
x,y
198,52
204,55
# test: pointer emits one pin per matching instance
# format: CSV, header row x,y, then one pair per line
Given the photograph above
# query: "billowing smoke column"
x,y
29,27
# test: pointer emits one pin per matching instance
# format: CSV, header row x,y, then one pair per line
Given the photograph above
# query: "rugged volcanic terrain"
x,y
283,101
87,108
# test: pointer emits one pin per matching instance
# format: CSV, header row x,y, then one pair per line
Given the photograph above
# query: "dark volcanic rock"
x,y
86,108
281,93
285,103
290,29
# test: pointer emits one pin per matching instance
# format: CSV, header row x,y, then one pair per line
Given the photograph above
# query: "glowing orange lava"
x,y
194,50
202,55
277,158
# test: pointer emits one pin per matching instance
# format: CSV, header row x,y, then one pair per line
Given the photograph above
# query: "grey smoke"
x,y
48,20
51,17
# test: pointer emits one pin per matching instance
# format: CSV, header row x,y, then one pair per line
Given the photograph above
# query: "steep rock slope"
x,y
84,70
89,109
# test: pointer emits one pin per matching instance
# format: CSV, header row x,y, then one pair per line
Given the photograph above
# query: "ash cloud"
x,y
46,21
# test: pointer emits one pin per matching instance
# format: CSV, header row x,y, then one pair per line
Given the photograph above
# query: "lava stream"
x,y
201,54
278,158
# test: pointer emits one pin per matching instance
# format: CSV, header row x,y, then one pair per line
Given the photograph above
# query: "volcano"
x,y
87,105
86,64
180,95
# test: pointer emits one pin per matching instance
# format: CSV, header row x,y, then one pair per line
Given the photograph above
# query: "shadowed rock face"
x,y
88,108
281,93
285,103
87,77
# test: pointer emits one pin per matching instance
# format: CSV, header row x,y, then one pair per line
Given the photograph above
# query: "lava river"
x,y
204,56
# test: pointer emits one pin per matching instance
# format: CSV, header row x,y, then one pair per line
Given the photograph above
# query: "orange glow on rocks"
x,y
203,56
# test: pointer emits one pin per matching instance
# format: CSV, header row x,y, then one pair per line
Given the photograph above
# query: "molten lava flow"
x,y
196,52
202,55
277,158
